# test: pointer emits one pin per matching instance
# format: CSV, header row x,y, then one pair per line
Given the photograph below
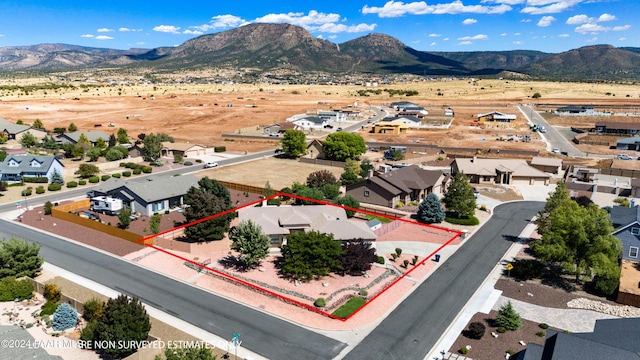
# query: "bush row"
x,y
35,179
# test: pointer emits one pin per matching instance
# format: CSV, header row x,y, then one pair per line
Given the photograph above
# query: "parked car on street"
x,y
625,157
210,164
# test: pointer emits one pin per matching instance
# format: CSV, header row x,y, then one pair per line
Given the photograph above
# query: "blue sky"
x,y
439,25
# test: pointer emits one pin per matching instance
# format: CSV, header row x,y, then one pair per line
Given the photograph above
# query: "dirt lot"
x,y
200,113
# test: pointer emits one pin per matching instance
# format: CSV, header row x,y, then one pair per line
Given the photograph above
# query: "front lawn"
x,y
349,307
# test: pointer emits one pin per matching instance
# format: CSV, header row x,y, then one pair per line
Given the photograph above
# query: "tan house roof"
x,y
545,161
488,167
179,146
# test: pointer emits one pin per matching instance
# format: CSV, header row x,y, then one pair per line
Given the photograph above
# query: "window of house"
x,y
157,206
486,178
635,231
633,251
366,193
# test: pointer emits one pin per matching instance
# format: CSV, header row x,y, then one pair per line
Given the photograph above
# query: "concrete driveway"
x,y
535,192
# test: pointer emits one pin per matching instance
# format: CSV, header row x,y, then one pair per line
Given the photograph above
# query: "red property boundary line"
x,y
455,235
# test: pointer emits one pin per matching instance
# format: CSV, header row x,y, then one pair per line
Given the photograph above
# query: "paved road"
x,y
554,138
416,325
261,333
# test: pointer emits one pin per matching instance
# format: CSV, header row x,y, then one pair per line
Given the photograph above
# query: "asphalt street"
x,y
266,335
415,326
553,136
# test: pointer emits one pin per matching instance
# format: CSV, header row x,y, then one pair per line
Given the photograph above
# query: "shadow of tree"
x,y
232,262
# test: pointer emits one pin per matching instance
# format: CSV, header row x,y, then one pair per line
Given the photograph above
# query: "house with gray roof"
x,y
279,221
150,195
19,335
611,339
14,167
626,222
73,137
15,131
499,171
309,122
411,183
628,143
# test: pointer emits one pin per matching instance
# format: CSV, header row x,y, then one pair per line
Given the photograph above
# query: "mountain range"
x,y
265,48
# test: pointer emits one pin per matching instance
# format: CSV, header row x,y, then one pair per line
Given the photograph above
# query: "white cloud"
x,y
333,36
103,37
433,43
507,2
606,17
125,29
465,43
315,21
517,42
446,39
86,35
469,21
167,29
105,30
341,28
475,37
563,35
398,8
621,28
579,19
192,32
517,34
504,34
319,37
592,40
140,43
435,35
525,20
537,7
546,21
622,39
591,28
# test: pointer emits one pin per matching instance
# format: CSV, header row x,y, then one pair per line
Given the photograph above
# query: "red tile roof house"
x,y
411,183
279,221
499,171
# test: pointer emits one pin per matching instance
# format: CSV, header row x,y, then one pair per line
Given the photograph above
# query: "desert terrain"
x,y
200,113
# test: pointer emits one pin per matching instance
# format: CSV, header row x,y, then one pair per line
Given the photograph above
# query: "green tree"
x,y
3,155
77,151
342,145
50,143
580,238
83,142
352,166
397,155
94,153
348,201
114,154
189,353
349,178
123,321
331,191
459,198
208,199
112,141
122,137
251,242
558,197
124,216
430,210
268,192
87,170
100,143
28,140
309,193
19,257
56,178
152,147
508,318
72,127
4,138
365,165
536,96
154,223
294,143
37,124
309,255
59,130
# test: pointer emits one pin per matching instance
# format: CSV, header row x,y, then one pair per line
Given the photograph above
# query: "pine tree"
x,y
430,210
508,318
124,320
557,198
459,197
64,318
56,178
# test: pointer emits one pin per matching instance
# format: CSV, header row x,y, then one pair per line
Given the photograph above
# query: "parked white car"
x,y
210,164
625,157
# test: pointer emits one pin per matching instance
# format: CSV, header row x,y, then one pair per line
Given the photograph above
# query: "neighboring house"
x,y
629,143
626,222
448,112
310,122
610,339
635,187
279,221
332,115
586,110
13,334
14,167
499,171
314,150
136,151
390,127
411,183
625,128
406,106
279,128
548,165
15,131
186,150
148,196
73,137
496,116
410,120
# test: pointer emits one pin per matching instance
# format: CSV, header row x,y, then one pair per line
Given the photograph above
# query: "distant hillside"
x,y
262,48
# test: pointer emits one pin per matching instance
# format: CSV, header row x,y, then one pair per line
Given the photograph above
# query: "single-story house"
x,y
279,127
136,150
14,167
19,335
626,222
73,137
390,127
148,196
406,106
15,131
628,128
279,221
548,165
332,115
309,122
499,171
585,110
314,150
186,150
407,119
411,183
629,143
496,116
610,339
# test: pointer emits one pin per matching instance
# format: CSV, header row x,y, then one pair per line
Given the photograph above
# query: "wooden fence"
x,y
242,187
621,172
65,212
339,164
